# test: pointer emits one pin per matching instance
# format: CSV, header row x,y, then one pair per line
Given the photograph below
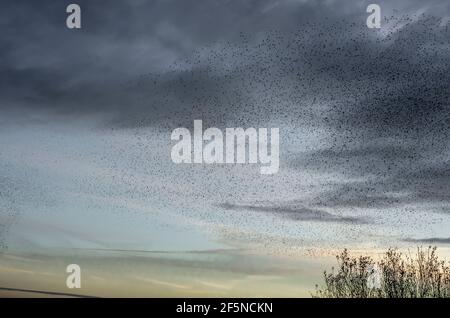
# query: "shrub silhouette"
x,y
396,275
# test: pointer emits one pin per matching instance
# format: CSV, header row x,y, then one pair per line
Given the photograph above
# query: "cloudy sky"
x,y
86,116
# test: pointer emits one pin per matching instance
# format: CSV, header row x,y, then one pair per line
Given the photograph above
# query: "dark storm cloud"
x,y
371,87
389,118
386,175
361,158
46,65
97,68
424,185
293,212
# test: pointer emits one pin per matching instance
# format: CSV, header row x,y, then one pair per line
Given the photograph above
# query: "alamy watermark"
x,y
240,146
374,19
74,278
73,20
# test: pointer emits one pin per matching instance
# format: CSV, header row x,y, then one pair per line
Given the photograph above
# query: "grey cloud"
x,y
431,240
294,212
381,173
360,159
406,186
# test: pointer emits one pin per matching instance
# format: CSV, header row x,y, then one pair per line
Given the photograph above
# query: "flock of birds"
x,y
382,96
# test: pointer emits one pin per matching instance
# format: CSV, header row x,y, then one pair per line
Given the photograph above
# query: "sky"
x,y
86,116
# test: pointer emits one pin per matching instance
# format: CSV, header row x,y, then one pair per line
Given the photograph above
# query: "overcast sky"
x,y
86,116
